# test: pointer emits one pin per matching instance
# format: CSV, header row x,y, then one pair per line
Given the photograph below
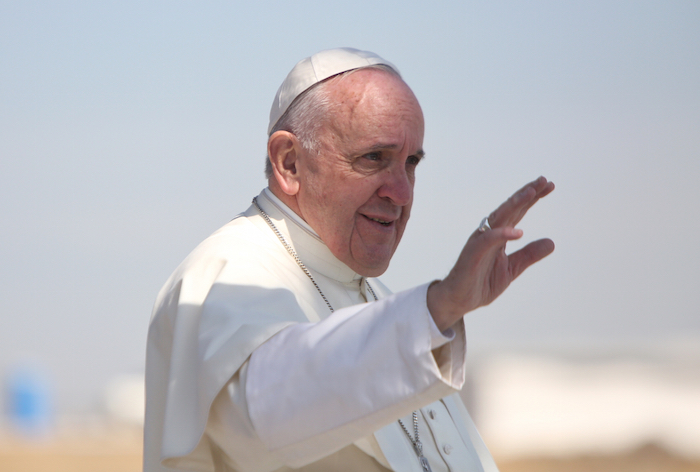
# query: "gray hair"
x,y
309,111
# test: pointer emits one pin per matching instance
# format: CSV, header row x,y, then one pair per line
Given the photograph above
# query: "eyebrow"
x,y
379,146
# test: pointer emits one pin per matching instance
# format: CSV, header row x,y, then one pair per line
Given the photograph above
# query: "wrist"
x,y
445,314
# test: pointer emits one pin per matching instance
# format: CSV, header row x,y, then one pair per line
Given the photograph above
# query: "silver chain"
x,y
416,442
293,253
417,445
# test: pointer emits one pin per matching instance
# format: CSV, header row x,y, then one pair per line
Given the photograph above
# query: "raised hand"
x,y
483,270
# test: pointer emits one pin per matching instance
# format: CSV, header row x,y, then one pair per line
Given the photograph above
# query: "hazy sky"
x,y
129,131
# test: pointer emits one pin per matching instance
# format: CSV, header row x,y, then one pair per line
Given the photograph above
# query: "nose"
x,y
397,187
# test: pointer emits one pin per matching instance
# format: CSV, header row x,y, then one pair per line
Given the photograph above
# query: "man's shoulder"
x,y
239,242
237,258
235,236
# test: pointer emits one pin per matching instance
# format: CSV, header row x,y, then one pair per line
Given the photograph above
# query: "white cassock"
x,y
247,369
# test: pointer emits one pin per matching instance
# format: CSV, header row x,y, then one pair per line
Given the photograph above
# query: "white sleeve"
x,y
314,388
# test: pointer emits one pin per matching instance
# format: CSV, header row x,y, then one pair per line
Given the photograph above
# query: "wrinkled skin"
x,y
357,192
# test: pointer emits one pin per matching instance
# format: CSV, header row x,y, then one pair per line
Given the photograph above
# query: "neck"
x,y
308,245
289,200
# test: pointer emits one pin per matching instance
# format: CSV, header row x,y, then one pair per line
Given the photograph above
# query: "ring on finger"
x,y
484,226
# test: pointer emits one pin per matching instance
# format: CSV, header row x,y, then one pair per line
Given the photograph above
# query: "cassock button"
x,y
447,448
432,414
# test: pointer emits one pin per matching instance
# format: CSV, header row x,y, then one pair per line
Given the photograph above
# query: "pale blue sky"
x,y
129,131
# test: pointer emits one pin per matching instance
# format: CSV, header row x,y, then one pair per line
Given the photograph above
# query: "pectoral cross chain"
x,y
417,445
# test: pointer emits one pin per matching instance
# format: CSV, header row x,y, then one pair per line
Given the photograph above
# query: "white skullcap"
x,y
315,69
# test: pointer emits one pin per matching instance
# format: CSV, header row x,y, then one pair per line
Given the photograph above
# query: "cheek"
x,y
338,216
405,215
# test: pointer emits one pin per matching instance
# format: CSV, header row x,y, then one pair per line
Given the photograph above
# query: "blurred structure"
x,y
28,402
597,403
34,437
125,399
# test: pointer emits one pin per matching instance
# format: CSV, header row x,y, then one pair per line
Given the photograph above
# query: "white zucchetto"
x,y
315,69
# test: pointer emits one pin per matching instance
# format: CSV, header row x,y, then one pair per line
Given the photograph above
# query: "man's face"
x,y
358,191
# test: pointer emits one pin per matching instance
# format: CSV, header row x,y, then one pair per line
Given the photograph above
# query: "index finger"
x,y
512,210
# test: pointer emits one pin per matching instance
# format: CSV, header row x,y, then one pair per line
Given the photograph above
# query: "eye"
x,y
413,160
373,156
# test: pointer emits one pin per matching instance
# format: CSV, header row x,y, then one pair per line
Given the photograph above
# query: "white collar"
x,y
308,245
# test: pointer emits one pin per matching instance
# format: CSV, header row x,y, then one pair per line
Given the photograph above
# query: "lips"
x,y
382,222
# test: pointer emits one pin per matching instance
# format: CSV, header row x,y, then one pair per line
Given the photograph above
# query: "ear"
x,y
284,151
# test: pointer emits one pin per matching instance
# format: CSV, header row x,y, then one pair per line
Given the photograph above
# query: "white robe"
x,y
248,370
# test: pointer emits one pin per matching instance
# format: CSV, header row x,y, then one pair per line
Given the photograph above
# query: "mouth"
x,y
380,221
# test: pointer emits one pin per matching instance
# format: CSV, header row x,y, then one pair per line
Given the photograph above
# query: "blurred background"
x,y
129,131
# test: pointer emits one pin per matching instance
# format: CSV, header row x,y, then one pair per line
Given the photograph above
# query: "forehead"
x,y
371,101
369,87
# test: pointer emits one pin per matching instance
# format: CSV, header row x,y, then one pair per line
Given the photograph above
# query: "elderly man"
x,y
272,347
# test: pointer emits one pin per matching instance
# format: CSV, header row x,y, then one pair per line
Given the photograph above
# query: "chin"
x,y
373,272
370,263
372,268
